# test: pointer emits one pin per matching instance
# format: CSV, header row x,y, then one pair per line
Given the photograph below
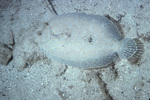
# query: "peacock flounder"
x,y
86,41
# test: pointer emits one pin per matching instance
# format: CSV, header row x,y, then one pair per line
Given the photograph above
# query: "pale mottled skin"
x,y
84,41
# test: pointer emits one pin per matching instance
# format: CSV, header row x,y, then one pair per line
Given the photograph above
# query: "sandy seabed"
x,y
27,74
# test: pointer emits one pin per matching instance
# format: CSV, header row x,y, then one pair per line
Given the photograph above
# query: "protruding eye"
x,y
90,39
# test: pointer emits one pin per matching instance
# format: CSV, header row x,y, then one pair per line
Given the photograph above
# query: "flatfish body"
x,y
85,41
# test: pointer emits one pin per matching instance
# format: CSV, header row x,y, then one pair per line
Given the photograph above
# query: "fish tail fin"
x,y
131,49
